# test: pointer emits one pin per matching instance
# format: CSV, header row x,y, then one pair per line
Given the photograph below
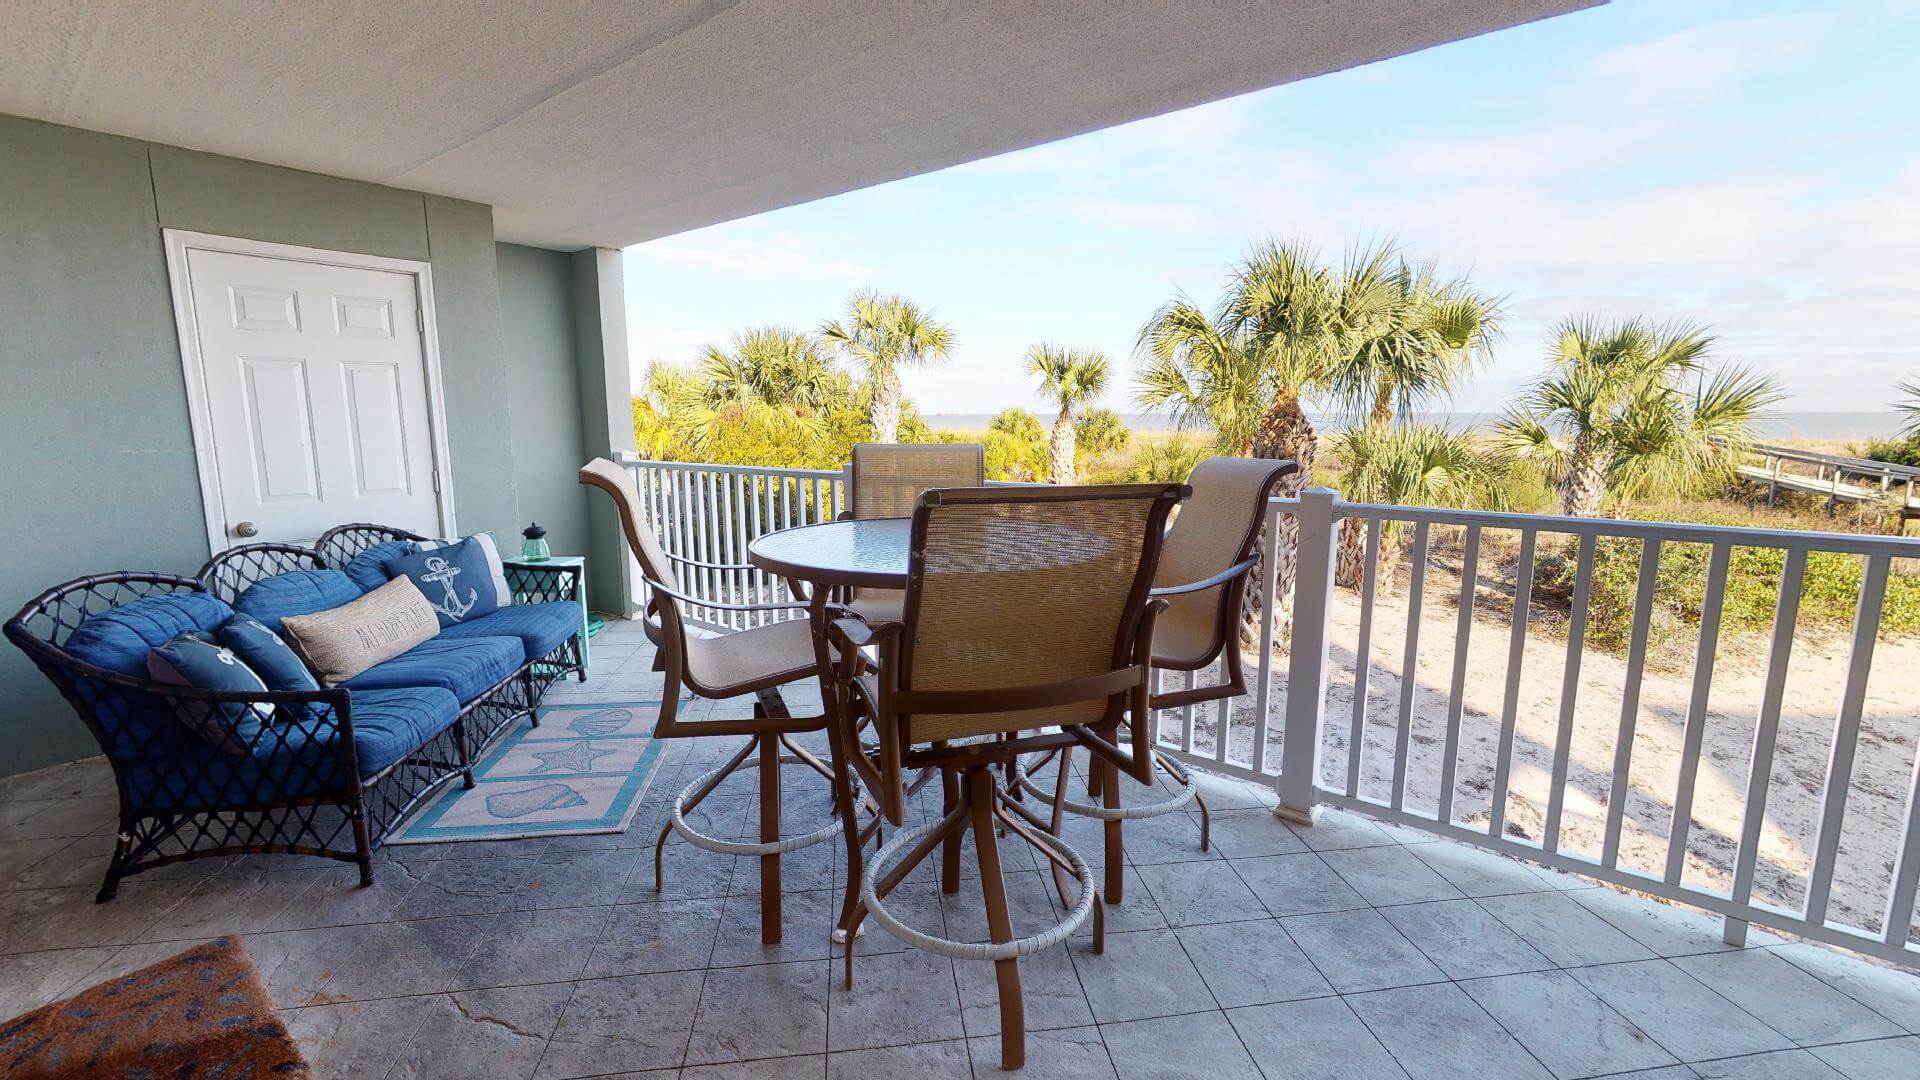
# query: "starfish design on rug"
x,y
574,757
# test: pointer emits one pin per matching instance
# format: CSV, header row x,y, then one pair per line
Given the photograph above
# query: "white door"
x,y
315,396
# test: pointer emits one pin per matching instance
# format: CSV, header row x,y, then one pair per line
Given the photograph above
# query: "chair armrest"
x,y
851,634
1217,580
684,561
539,583
720,605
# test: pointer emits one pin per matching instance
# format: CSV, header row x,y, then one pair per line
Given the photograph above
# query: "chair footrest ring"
x,y
678,822
965,950
1188,791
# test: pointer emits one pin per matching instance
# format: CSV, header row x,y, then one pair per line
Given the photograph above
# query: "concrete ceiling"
x,y
620,121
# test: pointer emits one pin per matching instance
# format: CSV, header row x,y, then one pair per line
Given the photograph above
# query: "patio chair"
x,y
1202,576
1027,627
757,661
887,479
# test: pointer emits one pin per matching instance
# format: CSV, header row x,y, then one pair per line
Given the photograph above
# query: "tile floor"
x,y
1344,950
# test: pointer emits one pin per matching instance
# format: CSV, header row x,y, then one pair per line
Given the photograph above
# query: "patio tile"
x,y
1389,876
1171,1047
800,871
1333,830
672,935
626,1024
1871,1060
1190,894
494,1033
37,819
297,964
69,919
1297,884
689,873
769,1010
1562,1024
1050,988
32,864
240,903
807,1067
1686,1018
1136,911
1562,930
807,920
946,1060
897,998
336,898
1668,929
472,886
1359,950
398,959
1246,834
1170,838
1141,975
1787,999
30,980
1893,994
1464,940
1061,1054
358,1038
1477,872
525,947
1781,1065
1439,1032
1251,963
1319,1039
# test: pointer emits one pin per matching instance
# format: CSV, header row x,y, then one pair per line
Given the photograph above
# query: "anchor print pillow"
x,y
194,660
461,581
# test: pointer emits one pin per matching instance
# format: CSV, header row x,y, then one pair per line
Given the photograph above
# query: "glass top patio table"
x,y
869,553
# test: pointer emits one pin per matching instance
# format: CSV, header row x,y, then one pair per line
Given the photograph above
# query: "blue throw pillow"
x,y
262,650
462,581
369,568
189,661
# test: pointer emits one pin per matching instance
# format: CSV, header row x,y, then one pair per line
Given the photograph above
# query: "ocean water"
x,y
1814,426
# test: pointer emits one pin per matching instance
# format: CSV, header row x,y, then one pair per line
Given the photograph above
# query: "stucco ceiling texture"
x,y
619,121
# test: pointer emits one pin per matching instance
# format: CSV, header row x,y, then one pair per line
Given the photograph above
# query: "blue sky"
x,y
1752,166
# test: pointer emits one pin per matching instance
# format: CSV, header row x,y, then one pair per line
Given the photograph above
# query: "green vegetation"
x,y
881,334
1069,378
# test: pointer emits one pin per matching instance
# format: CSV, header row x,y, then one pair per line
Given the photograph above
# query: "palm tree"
x,y
1411,338
1423,465
1069,378
881,334
776,367
1911,427
652,407
1616,393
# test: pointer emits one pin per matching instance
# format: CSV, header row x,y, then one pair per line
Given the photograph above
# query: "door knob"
x,y
245,528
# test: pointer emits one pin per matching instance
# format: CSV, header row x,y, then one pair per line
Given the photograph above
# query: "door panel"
x,y
316,395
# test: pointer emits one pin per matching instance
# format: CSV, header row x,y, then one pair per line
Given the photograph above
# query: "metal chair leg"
x,y
769,833
993,886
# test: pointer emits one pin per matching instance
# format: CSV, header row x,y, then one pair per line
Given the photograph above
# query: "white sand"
x,y
1877,799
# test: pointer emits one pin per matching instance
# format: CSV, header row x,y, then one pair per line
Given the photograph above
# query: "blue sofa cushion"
x,y
369,568
231,727
262,650
540,627
468,667
462,581
296,592
387,725
119,638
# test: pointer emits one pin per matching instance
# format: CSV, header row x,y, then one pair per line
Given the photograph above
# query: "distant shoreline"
x,y
1815,426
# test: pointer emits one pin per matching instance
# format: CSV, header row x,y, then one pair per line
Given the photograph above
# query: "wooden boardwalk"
x,y
1838,479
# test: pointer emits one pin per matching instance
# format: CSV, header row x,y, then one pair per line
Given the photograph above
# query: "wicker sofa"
x,y
336,769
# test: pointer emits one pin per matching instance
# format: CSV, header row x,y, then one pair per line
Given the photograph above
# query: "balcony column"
x,y
1307,655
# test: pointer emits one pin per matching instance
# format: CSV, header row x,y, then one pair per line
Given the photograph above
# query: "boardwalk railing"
x,y
1287,734
1840,479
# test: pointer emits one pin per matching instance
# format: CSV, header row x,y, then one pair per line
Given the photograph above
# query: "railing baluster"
x,y
1457,693
1786,613
1223,719
1363,658
1703,661
1263,681
1846,734
1898,923
1569,693
1630,700
1510,701
1186,715
1410,664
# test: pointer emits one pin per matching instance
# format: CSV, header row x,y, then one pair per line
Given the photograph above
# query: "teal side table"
x,y
578,563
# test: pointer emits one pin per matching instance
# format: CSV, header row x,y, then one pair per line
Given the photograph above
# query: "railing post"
x,y
1306,655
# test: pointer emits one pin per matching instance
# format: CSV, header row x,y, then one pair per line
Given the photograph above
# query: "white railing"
x,y
1427,770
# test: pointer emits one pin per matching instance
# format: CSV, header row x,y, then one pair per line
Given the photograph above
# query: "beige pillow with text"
x,y
342,642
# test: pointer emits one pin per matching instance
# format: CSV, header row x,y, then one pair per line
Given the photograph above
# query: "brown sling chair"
x,y
756,661
887,479
1202,576
1026,626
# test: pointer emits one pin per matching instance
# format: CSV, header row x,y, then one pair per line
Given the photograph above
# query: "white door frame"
x,y
193,364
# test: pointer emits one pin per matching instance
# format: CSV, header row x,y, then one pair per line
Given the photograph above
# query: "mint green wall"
x,y
536,316
96,458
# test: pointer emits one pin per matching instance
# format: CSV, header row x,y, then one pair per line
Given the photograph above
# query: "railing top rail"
x,y
1736,536
736,470
1864,466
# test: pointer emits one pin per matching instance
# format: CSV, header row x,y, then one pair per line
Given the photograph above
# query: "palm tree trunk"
x,y
1062,448
1350,551
886,406
1585,487
1381,418
1284,434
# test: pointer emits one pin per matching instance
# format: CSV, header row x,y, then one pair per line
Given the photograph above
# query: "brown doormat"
x,y
203,1013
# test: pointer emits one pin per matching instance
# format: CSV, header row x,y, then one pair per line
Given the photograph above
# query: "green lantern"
x,y
535,549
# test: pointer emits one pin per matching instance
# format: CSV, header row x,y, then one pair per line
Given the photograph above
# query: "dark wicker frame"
x,y
347,821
